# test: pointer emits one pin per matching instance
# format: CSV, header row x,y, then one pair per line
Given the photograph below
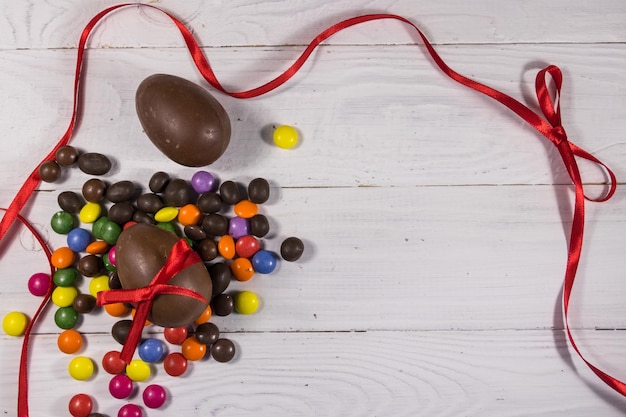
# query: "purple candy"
x,y
154,396
121,386
38,284
238,227
202,182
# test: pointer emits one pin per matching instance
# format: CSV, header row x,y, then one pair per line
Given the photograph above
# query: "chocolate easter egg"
x,y
182,119
141,251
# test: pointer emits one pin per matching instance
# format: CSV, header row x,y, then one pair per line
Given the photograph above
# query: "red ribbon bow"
x,y
180,257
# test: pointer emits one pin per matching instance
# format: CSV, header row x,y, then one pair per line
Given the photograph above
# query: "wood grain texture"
x,y
435,222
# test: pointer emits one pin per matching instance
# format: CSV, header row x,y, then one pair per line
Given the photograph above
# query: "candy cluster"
x,y
221,222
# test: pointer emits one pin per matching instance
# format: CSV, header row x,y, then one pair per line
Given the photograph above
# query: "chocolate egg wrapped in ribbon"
x,y
182,119
141,251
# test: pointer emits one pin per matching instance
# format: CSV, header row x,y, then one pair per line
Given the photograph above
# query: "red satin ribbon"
x,y
180,257
548,126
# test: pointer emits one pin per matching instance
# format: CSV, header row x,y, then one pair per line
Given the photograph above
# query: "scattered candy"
x,y
166,214
94,163
39,284
205,316
64,296
154,396
226,247
207,333
223,350
130,410
112,363
151,350
264,262
242,269
175,364
80,405
97,284
65,277
81,368
285,137
238,227
121,386
202,182
93,190
246,209
69,341
90,212
66,155
66,317
246,302
175,335
259,190
14,323
62,257
49,171
62,222
138,370
192,349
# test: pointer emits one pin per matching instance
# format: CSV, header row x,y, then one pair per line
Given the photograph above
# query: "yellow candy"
x,y
246,302
138,370
64,296
285,137
81,368
14,323
90,212
97,284
166,214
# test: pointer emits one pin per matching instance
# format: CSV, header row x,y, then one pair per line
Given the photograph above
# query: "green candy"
x,y
62,222
110,232
65,277
97,227
66,318
168,226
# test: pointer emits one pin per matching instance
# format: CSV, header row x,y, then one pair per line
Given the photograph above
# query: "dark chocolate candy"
x,y
223,350
150,203
291,249
120,330
182,119
90,265
70,201
209,202
94,163
177,193
221,276
215,224
121,212
223,304
258,190
94,190
158,181
141,250
120,191
230,192
207,249
207,333
84,303
259,225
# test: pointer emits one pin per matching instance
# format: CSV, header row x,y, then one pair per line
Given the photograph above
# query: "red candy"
x,y
112,363
247,246
80,405
175,335
175,364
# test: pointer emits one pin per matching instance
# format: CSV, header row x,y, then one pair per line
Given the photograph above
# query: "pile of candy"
x,y
221,222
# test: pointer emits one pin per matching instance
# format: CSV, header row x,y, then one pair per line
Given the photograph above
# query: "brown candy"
x,y
258,190
49,171
84,303
209,202
90,265
120,330
223,304
121,212
207,333
94,190
141,250
259,225
291,249
207,249
177,193
66,156
221,276
158,181
150,203
230,193
223,350
215,224
94,163
70,201
120,191
182,119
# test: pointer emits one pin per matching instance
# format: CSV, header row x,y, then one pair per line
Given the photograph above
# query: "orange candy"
x,y
97,247
192,349
246,209
226,247
63,257
189,214
69,341
116,309
205,316
242,269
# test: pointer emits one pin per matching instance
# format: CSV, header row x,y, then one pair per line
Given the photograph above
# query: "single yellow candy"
x,y
81,368
285,137
14,323
246,302
64,296
90,212
138,370
97,284
166,214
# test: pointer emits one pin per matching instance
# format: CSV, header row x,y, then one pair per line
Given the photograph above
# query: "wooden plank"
x,y
367,116
29,24
406,258
486,373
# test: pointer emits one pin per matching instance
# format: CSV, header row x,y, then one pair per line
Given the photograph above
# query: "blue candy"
x,y
151,350
78,239
264,262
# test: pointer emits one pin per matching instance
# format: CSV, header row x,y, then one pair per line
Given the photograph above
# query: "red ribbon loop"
x,y
180,257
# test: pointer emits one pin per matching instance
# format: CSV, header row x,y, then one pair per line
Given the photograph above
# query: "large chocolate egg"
x,y
182,119
141,251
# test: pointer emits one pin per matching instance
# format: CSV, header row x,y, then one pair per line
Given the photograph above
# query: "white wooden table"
x,y
435,221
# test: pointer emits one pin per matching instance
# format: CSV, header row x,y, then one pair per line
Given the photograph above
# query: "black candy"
x,y
120,331
258,190
177,193
120,191
70,201
158,181
209,202
259,225
220,277
229,191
